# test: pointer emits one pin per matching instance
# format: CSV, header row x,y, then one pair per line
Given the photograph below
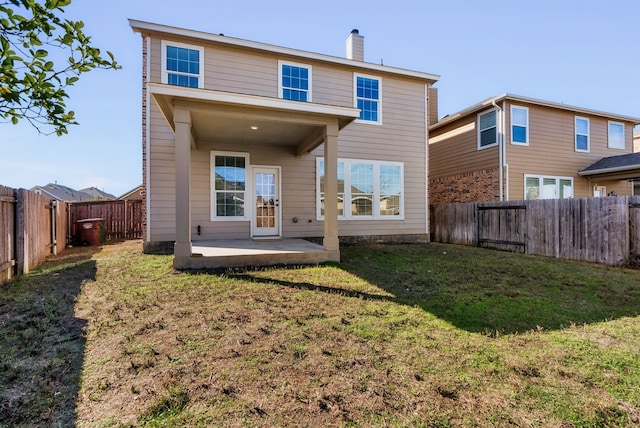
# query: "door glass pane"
x,y
265,200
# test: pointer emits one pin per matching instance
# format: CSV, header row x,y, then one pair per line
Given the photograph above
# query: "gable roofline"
x,y
143,26
519,98
130,192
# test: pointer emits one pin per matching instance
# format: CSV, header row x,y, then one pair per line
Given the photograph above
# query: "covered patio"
x,y
621,167
248,252
198,115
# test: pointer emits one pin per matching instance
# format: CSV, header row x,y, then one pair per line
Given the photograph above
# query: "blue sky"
x,y
583,53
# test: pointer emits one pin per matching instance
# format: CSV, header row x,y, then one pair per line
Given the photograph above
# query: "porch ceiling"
x,y
227,117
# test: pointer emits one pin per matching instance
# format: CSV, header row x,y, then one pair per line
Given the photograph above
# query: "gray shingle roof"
x,y
613,163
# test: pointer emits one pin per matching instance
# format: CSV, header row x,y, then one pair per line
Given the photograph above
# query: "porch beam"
x,y
311,142
330,242
253,114
183,139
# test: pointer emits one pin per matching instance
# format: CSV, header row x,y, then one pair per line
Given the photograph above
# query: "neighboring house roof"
x,y
518,98
96,193
54,191
219,38
131,193
625,166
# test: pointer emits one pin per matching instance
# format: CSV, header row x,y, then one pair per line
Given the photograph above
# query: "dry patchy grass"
x,y
406,335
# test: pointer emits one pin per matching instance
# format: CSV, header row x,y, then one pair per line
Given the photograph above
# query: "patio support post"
x,y
330,241
182,121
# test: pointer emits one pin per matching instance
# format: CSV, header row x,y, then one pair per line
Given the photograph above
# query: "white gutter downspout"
x,y
500,148
505,165
426,155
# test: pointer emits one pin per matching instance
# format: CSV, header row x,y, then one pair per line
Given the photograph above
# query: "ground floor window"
x,y
366,189
545,187
229,185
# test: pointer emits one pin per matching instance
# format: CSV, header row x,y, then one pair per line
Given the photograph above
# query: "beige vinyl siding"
x,y
459,153
551,150
400,138
161,189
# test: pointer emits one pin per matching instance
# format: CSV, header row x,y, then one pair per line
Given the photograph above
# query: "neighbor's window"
x,y
229,185
295,81
366,189
519,125
582,134
487,129
542,187
616,135
367,98
182,64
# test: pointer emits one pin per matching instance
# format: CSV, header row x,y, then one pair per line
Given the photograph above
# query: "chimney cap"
x,y
355,31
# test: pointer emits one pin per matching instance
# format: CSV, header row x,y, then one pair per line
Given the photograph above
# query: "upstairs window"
x,y
295,81
520,125
487,129
616,135
367,98
182,64
582,134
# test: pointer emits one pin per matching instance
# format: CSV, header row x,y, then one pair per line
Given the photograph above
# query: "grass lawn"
x,y
394,336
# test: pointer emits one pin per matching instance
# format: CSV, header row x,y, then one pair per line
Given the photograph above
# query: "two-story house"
x,y
250,141
511,147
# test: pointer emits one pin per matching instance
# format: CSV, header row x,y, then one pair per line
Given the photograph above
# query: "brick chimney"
x,y
355,46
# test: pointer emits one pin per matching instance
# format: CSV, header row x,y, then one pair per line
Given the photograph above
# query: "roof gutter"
x,y
608,170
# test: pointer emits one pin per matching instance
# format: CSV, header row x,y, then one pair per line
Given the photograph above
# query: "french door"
x,y
266,198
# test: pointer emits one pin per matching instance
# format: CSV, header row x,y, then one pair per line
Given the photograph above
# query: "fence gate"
x,y
502,227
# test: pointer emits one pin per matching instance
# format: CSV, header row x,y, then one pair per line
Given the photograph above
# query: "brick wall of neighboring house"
x,y
143,192
468,187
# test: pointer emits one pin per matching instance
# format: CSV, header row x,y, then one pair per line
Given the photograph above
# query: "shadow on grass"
x,y
485,291
42,343
494,292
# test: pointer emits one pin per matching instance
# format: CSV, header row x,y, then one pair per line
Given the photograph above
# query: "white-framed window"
x,y
487,129
520,125
229,186
367,189
547,187
182,64
294,81
616,135
367,92
582,139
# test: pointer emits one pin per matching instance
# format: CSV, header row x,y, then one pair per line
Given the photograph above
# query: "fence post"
x,y
21,239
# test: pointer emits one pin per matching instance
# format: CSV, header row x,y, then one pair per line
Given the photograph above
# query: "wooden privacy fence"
x,y
122,218
31,228
603,230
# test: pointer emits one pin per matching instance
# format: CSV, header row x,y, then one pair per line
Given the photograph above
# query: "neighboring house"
x,y
58,192
97,194
237,136
636,149
55,191
511,147
133,194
